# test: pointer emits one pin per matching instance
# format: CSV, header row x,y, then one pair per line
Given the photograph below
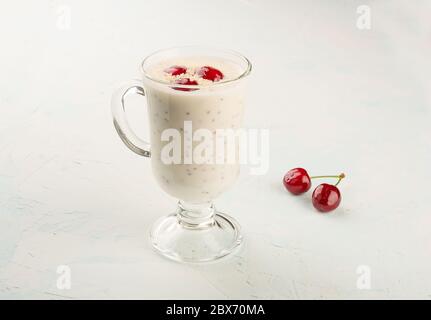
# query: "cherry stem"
x,y
340,177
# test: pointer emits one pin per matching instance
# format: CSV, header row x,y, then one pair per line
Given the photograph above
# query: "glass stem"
x,y
196,215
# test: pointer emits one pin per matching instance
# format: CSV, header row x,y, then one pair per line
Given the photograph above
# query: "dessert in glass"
x,y
193,94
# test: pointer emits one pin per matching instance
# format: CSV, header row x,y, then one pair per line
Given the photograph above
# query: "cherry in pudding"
x,y
176,70
210,73
185,81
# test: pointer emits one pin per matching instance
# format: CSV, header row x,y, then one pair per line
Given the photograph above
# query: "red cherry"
x,y
176,70
326,197
186,81
210,73
297,181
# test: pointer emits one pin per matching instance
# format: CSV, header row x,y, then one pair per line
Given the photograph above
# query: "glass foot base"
x,y
176,237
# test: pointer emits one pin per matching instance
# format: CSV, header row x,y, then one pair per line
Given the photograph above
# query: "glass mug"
x,y
196,232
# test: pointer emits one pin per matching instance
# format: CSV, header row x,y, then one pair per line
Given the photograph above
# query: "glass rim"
x,y
219,83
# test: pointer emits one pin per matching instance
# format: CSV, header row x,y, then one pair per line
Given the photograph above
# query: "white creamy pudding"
x,y
214,104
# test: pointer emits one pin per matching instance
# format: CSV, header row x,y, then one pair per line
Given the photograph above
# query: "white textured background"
x,y
334,97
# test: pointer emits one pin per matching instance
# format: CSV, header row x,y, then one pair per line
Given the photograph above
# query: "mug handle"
x,y
118,108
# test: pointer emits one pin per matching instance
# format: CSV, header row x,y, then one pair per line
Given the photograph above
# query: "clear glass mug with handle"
x,y
196,232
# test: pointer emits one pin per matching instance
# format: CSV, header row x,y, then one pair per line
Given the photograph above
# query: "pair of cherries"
x,y
326,197
206,72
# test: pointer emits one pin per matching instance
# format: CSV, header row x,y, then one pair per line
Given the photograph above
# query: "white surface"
x,y
335,98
